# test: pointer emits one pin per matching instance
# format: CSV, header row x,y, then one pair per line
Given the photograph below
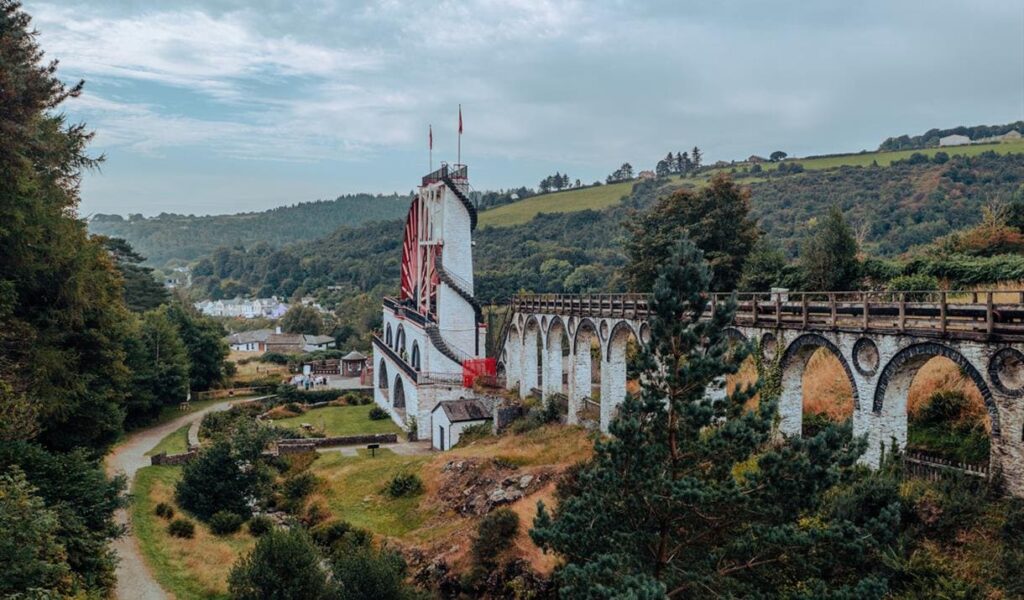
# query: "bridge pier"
x,y
880,344
529,357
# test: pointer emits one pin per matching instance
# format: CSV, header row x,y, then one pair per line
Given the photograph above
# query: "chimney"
x,y
277,329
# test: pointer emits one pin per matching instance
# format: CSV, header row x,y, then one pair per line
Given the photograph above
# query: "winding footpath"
x,y
134,580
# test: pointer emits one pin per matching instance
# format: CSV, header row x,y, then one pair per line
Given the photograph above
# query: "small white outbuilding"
x,y
450,417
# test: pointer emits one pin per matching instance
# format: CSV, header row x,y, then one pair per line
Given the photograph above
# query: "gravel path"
x,y
134,581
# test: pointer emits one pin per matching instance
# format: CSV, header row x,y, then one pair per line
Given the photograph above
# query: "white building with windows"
x,y
434,329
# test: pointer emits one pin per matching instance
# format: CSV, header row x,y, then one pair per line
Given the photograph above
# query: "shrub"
x,y
913,283
316,513
182,528
225,522
378,414
214,481
328,535
475,432
295,407
364,572
275,358
164,510
299,486
494,535
284,564
260,525
403,485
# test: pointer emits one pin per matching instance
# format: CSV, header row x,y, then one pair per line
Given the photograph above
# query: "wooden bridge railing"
x,y
983,315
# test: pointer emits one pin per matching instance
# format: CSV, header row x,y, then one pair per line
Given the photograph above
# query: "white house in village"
x,y
433,331
451,417
270,308
250,341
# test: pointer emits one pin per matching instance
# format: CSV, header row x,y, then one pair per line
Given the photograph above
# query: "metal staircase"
x,y
434,333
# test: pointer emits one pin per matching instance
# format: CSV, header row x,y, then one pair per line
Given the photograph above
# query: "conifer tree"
x,y
692,497
829,258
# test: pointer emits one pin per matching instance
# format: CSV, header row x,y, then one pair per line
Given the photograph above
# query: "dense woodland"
x,y
188,237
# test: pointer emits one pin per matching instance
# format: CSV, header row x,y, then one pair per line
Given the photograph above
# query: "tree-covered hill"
x,y
930,138
186,237
892,208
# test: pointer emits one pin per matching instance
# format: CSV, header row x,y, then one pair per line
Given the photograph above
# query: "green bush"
x,y
164,510
475,432
299,486
225,522
403,485
494,535
364,572
378,414
275,358
287,393
182,528
332,533
260,524
284,564
215,481
913,283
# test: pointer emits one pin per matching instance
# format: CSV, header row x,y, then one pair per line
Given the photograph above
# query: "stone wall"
x,y
172,459
349,440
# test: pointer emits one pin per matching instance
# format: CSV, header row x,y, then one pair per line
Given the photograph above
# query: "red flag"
x,y
460,119
430,136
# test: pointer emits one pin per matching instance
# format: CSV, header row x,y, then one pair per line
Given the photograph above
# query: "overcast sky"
x,y
227,106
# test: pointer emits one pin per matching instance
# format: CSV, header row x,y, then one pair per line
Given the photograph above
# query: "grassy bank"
x,y
176,443
190,569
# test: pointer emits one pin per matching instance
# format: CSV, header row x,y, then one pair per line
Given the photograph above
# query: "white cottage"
x,y
450,417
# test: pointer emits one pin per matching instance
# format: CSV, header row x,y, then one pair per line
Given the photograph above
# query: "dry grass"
x,y
941,374
254,369
827,390
188,568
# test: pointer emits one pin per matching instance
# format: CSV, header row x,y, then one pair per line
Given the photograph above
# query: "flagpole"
x,y
459,159
430,137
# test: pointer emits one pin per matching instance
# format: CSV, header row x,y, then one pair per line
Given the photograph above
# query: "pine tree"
x,y
695,157
690,497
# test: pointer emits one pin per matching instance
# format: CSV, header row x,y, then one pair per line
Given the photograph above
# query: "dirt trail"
x,y
134,581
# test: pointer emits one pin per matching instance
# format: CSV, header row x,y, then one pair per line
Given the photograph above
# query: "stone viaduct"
x,y
881,339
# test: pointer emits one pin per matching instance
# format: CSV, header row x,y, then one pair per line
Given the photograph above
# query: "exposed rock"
x,y
475,487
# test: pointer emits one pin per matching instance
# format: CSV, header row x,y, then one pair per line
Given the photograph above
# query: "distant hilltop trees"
x,y
681,163
930,138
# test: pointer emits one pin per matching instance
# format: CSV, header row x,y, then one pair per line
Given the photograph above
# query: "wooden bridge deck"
x,y
975,315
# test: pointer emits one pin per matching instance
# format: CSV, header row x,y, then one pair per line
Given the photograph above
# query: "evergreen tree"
x,y
33,559
717,218
63,320
662,169
682,163
691,497
829,257
284,565
695,158
141,291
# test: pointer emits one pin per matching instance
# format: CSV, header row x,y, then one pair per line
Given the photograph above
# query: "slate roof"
x,y
354,355
458,411
245,337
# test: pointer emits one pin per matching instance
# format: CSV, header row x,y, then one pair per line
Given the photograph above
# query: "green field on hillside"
x,y
522,211
884,159
600,197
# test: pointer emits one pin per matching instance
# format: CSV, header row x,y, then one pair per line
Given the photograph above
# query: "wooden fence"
x,y
933,468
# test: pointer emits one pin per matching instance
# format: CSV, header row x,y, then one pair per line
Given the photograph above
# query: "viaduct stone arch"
x,y
880,345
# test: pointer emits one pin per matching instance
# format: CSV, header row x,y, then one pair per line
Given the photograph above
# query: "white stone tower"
x,y
435,325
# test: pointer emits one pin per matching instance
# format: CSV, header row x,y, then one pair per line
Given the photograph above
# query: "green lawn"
x,y
355,490
190,569
341,420
175,443
595,198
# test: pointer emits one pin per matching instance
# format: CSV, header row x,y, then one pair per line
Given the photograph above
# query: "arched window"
x,y
416,355
399,397
400,342
387,337
382,379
